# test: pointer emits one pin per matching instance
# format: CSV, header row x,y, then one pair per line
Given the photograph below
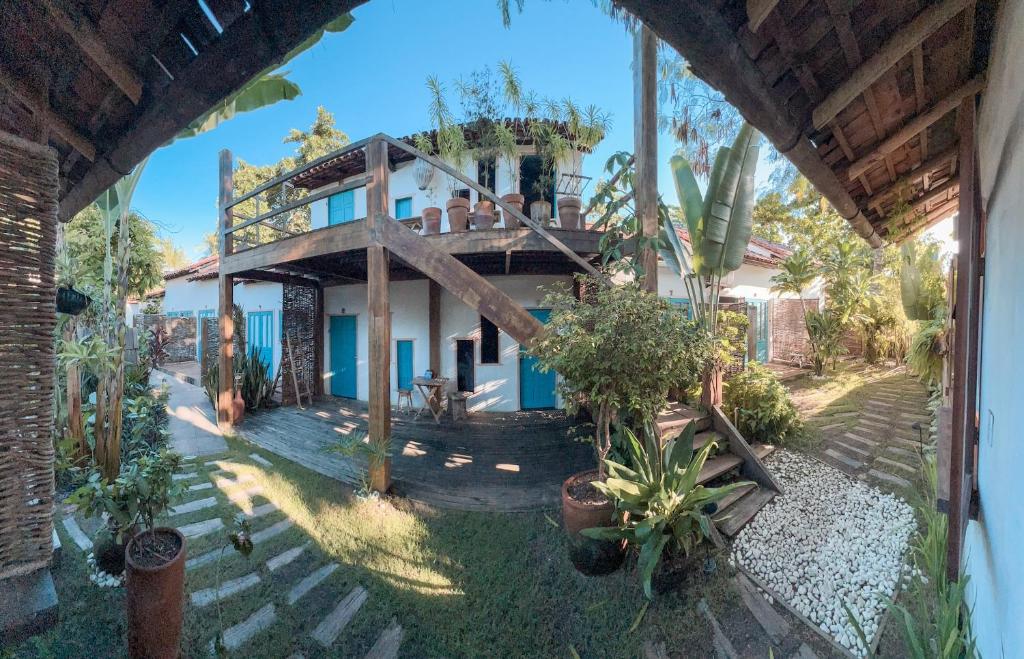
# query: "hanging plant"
x,y
70,301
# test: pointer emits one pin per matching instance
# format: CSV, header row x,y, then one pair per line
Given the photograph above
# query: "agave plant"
x,y
668,510
719,222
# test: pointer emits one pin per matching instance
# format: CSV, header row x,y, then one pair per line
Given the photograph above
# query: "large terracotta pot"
x,y
484,218
569,212
380,476
431,221
516,201
155,597
540,211
458,214
237,408
589,556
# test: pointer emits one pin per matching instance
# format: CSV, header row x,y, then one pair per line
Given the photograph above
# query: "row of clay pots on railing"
x,y
484,215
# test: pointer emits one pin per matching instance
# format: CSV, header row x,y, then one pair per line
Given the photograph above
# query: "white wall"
x,y
194,296
996,587
748,281
497,385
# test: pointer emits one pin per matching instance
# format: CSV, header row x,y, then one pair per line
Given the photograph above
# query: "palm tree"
x,y
798,272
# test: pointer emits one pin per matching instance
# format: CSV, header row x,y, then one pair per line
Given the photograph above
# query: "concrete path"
x,y
193,422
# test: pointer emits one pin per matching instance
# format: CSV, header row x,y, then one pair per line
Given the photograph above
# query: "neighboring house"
x,y
192,292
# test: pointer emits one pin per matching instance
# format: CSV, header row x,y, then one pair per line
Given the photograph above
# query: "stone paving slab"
x,y
850,449
272,531
202,559
331,626
260,511
199,529
889,478
286,557
387,643
844,459
256,457
77,535
310,582
236,636
224,483
899,465
200,486
208,596
193,506
184,476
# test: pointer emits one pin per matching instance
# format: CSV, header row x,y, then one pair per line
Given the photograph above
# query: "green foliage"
x,y
801,218
885,330
761,405
730,343
825,329
846,271
618,350
927,349
256,384
358,445
141,493
144,423
798,272
84,246
667,511
922,281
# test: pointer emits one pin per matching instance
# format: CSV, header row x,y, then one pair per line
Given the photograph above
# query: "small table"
x,y
432,390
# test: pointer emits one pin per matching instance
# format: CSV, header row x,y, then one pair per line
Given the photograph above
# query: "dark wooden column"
x,y
378,285
645,139
225,285
434,324
965,340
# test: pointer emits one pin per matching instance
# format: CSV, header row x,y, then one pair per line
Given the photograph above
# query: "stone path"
x,y
193,422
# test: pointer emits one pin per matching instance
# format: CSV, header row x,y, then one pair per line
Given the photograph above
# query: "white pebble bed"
x,y
827,541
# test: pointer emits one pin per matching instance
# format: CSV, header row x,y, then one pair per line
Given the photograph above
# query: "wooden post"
x,y
318,343
434,321
965,347
378,285
225,286
645,139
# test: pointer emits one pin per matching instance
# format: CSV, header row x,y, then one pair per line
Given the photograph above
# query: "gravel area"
x,y
827,541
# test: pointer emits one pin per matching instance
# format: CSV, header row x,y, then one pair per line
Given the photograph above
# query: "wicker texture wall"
x,y
28,221
301,318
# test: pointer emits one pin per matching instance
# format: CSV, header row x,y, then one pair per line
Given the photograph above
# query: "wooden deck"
x,y
491,461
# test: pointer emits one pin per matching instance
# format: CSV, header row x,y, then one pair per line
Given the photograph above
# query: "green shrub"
x,y
760,405
927,349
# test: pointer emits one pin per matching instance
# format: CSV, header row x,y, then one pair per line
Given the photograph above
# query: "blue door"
x,y
536,389
403,356
343,356
203,313
684,304
760,322
259,336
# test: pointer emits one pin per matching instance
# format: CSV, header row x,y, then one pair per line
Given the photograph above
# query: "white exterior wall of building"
x,y
194,296
497,385
992,552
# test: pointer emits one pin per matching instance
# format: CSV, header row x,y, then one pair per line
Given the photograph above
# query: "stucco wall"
x,y
497,385
994,543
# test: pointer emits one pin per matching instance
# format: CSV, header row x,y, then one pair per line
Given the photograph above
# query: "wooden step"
x,y
675,417
717,466
736,516
762,451
733,497
702,438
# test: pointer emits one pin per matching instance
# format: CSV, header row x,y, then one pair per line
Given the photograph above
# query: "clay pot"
x,y
483,207
431,221
569,212
155,597
540,211
484,219
516,201
458,214
589,556
237,408
380,476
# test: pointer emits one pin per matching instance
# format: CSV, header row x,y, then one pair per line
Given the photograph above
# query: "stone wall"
x,y
181,344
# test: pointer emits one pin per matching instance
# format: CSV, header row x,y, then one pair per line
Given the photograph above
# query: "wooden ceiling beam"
x,y
758,11
913,176
936,194
88,38
916,125
46,115
923,222
708,42
897,47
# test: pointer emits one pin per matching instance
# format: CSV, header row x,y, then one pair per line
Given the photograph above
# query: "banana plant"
x,y
719,222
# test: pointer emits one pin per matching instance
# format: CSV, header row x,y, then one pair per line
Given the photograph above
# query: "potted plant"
x,y
452,148
618,351
662,510
584,129
431,215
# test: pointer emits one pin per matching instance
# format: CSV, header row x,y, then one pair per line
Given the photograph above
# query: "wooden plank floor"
x,y
494,461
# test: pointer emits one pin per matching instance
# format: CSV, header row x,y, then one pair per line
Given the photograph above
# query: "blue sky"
x,y
560,48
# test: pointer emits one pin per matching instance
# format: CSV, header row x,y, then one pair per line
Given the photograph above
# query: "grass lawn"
x,y
460,584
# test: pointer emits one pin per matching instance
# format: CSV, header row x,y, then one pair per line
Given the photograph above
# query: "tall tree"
x,y
84,238
172,257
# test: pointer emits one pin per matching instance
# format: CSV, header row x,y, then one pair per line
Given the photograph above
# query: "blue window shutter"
x,y
341,207
179,314
403,208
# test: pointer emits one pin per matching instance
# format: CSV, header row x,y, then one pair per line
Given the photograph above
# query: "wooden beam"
x,y
898,46
265,34
280,278
321,242
924,221
226,299
757,12
489,195
965,339
434,325
645,146
88,38
458,279
379,305
45,115
911,177
709,43
920,93
916,125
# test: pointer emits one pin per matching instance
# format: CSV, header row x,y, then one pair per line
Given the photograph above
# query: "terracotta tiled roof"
x,y
204,268
759,252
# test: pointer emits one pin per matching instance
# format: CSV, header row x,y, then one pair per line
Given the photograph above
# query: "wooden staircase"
x,y
732,461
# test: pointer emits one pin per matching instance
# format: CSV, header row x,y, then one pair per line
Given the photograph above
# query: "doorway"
x,y
536,388
531,169
464,369
760,328
343,356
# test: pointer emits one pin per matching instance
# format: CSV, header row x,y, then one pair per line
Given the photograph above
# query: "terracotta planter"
x,y
484,220
589,556
540,211
516,201
458,214
431,221
569,212
237,408
483,207
711,388
155,597
380,476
